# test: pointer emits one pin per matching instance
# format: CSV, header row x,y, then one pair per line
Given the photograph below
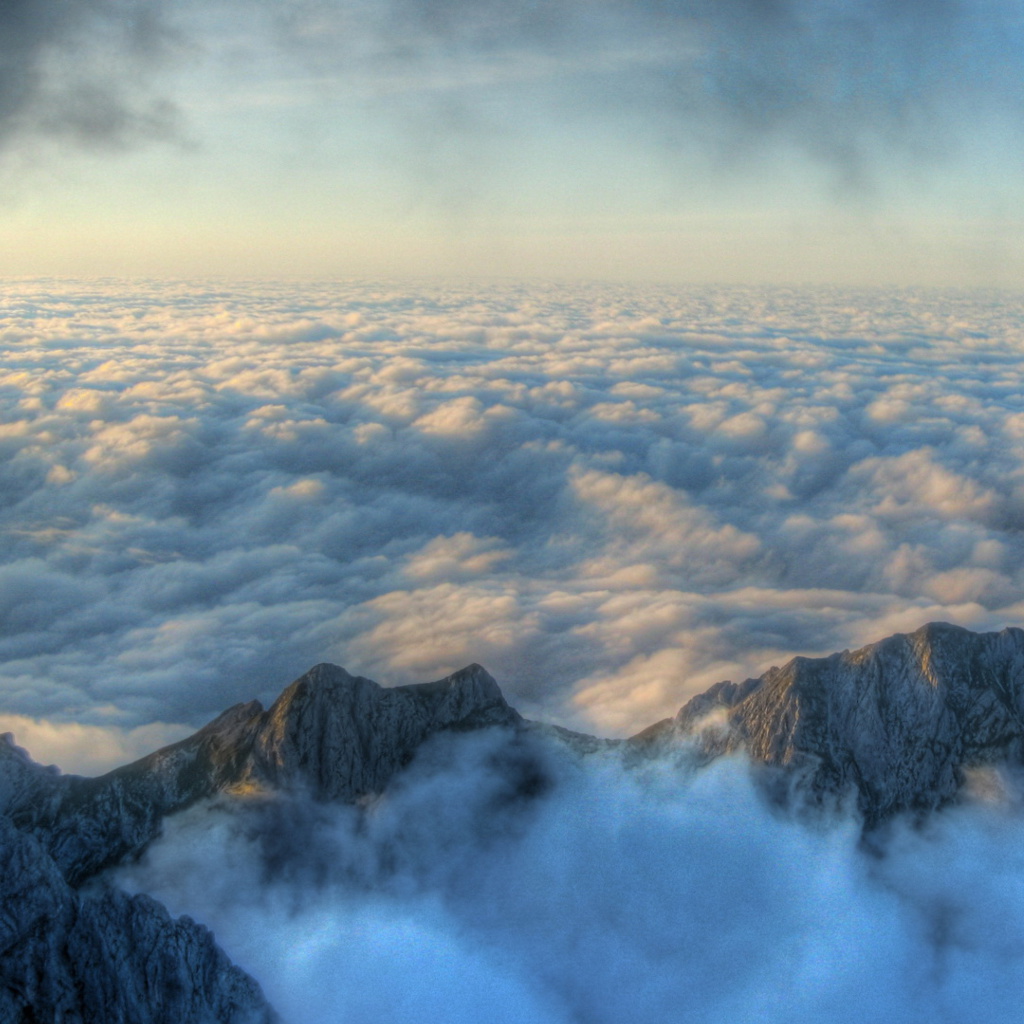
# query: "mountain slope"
x,y
898,722
330,734
106,956
79,957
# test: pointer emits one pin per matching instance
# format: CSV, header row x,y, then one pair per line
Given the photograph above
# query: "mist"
x,y
502,879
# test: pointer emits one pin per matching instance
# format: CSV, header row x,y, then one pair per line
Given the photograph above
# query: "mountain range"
x,y
898,727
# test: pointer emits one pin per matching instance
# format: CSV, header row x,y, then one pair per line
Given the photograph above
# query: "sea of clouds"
x,y
611,497
605,896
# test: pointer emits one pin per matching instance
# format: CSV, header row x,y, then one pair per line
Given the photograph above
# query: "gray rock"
x,y
333,735
80,958
343,736
898,723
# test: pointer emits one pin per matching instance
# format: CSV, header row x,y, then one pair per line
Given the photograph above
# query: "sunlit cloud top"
x,y
610,497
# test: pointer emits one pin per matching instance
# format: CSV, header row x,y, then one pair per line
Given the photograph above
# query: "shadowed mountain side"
x,y
898,722
330,734
343,736
106,956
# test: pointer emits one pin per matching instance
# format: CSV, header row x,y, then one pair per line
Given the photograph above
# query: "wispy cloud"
x,y
611,896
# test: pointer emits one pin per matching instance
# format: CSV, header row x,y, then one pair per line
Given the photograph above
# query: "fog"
x,y
505,881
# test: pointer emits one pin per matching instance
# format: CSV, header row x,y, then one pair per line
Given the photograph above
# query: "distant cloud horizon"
x,y
611,497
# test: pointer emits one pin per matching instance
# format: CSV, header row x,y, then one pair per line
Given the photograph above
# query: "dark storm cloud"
x,y
78,70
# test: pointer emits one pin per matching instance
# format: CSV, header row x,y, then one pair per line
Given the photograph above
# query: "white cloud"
x,y
461,556
89,749
435,630
609,498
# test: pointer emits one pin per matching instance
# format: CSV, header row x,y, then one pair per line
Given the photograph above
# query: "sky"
x,y
738,141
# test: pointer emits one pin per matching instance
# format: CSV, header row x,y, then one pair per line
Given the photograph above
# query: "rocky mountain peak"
x,y
342,736
330,734
899,721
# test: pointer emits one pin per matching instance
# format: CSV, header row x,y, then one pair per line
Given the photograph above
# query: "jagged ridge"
x,y
898,722
106,956
334,735
79,958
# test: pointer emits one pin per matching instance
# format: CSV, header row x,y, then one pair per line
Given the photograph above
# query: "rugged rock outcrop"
x,y
330,734
898,722
343,736
83,955
106,956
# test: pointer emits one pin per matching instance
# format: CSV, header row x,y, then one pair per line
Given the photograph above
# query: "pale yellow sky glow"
x,y
871,249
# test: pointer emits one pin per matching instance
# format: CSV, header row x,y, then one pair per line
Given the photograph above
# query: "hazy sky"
x,y
735,140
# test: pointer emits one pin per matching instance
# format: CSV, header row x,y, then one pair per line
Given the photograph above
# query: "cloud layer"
x,y
614,896
611,497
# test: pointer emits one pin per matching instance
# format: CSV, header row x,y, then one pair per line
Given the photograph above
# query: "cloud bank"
x,y
611,497
612,896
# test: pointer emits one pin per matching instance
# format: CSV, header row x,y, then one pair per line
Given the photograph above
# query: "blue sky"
x,y
744,141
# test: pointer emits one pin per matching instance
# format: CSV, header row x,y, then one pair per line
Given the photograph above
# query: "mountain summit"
x,y
81,956
330,735
343,736
899,722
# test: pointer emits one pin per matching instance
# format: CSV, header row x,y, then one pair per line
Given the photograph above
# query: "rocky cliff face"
x,y
343,736
72,955
105,956
330,734
898,722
